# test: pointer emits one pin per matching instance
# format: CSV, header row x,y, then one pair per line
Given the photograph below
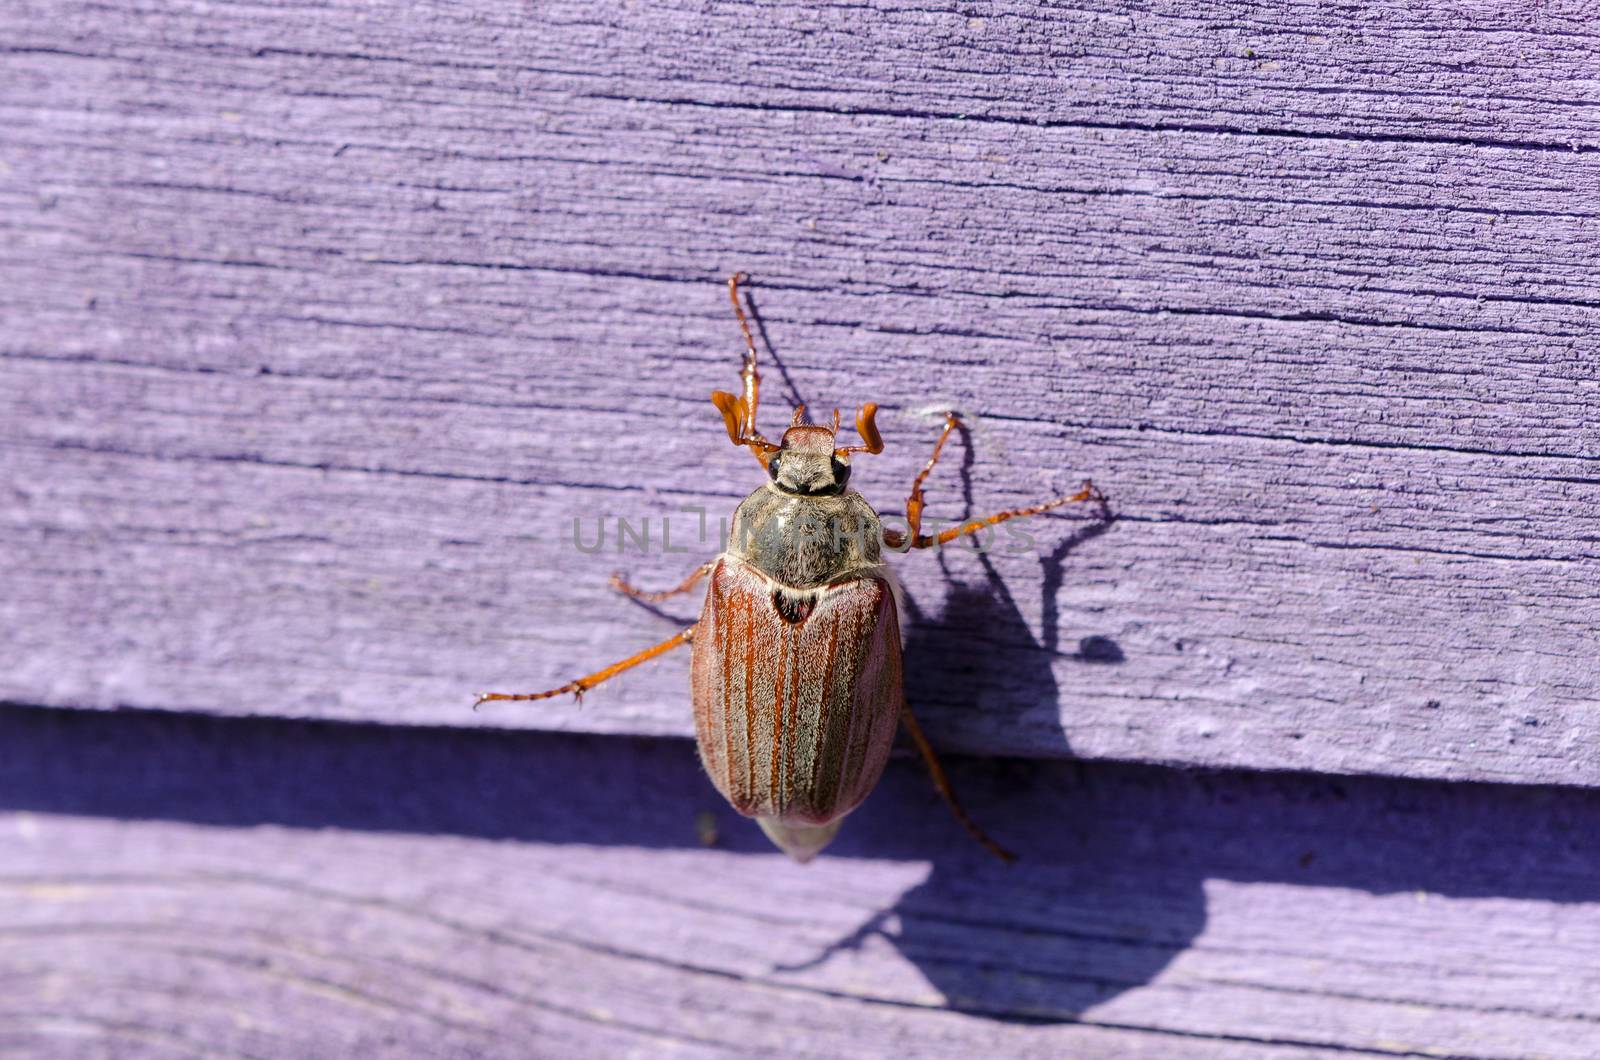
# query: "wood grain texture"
x,y
259,888
325,323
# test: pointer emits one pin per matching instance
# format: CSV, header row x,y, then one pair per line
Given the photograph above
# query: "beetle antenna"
x,y
867,427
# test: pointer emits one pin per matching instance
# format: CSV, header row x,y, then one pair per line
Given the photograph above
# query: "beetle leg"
x,y
739,410
942,783
915,502
748,375
684,586
583,684
1087,493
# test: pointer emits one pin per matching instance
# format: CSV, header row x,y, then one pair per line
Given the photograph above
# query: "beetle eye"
x,y
772,465
841,472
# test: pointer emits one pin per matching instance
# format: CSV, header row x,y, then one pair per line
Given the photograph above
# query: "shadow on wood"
x,y
1111,889
955,933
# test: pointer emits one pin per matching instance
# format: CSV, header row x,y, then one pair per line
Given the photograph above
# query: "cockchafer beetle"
x,y
796,668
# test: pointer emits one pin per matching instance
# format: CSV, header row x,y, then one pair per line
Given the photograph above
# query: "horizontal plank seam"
x,y
1311,441
1346,546
245,458
1314,441
1194,128
1109,429
1109,307
269,374
1181,196
1106,307
1201,128
93,359
1086,191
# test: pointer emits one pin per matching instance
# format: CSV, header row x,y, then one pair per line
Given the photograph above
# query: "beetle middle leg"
x,y
622,586
915,502
583,684
942,783
1088,493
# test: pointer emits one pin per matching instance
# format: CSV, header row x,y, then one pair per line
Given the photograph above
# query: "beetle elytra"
x,y
796,657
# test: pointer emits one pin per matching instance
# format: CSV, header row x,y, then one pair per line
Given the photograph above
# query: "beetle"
x,y
796,671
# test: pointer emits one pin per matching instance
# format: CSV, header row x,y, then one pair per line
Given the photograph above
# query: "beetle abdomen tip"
x,y
801,842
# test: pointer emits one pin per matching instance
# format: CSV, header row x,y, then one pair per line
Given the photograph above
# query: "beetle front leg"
x,y
583,684
942,783
739,410
749,378
622,586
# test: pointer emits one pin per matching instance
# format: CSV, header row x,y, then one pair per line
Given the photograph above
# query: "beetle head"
x,y
805,464
809,462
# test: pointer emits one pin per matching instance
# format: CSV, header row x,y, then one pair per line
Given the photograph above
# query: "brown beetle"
x,y
796,672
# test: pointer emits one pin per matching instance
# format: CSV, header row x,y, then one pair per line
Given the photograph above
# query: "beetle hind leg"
x,y
583,684
942,783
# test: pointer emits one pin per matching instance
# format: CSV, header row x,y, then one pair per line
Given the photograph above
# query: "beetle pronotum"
x,y
795,673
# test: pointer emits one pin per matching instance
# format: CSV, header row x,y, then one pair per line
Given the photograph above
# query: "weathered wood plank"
x,y
322,329
282,889
1519,74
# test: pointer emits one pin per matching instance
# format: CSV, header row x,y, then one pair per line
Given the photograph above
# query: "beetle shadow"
x,y
975,661
977,654
1110,888
1065,927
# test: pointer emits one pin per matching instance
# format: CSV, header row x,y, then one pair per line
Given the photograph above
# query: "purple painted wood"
x,y
321,328
261,888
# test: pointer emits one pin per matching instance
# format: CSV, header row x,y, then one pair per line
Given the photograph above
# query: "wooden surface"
x,y
257,888
323,327
324,323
